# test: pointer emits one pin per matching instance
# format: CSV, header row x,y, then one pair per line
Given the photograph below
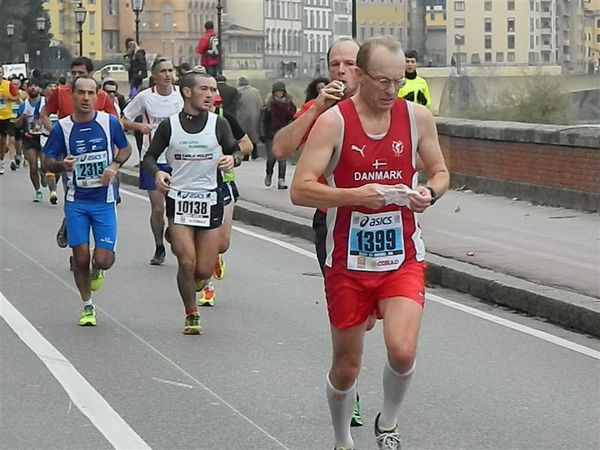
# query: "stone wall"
x,y
546,164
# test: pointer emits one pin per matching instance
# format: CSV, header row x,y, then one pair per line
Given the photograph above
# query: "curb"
x,y
565,308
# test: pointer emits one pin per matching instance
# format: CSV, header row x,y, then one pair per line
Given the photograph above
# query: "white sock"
x,y
88,302
340,406
394,388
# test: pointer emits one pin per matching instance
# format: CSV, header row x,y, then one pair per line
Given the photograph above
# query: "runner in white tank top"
x,y
199,145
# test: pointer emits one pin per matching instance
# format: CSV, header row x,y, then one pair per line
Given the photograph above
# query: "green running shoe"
x,y
356,417
88,317
192,324
207,297
97,280
38,197
219,272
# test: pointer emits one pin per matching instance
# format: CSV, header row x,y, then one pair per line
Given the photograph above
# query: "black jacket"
x,y
230,96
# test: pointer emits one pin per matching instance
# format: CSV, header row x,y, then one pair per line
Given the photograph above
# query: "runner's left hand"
x,y
108,176
226,163
420,202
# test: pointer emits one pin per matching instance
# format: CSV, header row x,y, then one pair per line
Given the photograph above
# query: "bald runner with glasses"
x,y
366,147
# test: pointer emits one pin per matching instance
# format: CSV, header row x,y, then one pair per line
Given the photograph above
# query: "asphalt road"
x,y
486,378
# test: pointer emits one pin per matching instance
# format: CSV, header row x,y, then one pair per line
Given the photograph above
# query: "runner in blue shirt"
x,y
87,140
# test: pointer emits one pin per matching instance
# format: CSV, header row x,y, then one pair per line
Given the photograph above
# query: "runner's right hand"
x,y
330,95
145,128
370,197
69,162
163,181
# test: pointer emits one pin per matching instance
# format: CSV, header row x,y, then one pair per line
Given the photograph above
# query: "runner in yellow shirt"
x,y
8,95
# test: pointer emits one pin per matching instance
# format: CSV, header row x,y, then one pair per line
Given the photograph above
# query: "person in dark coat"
x,y
229,94
248,112
137,66
278,111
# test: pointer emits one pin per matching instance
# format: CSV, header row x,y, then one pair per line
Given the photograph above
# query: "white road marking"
x,y
150,346
173,383
81,393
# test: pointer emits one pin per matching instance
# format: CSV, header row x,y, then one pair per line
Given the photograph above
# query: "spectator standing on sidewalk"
x,y
137,67
415,88
208,49
248,112
278,111
229,95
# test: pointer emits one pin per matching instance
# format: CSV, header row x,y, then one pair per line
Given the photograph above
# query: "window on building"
x,y
91,2
112,7
511,41
371,32
92,22
531,41
510,5
510,56
499,56
510,25
487,57
487,25
61,21
459,6
459,22
487,5
487,42
598,38
382,29
432,16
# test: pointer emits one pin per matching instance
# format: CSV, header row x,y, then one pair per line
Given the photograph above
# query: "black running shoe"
x,y
61,236
159,256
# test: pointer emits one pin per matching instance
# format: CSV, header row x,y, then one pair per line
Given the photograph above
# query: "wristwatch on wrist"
x,y
434,196
119,162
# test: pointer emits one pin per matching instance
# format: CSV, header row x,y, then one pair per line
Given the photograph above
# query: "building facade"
x,y
570,34
516,32
387,17
117,21
592,36
317,31
283,36
342,19
65,30
435,52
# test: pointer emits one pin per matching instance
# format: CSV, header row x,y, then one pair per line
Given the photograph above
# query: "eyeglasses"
x,y
385,83
111,92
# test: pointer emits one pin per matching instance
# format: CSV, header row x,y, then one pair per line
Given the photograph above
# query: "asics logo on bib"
x,y
192,195
91,158
376,221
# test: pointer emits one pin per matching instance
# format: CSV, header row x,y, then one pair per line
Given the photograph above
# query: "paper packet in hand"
x,y
398,194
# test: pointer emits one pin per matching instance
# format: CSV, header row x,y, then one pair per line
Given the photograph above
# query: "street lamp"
x,y
459,39
354,32
138,7
219,13
80,14
41,27
10,32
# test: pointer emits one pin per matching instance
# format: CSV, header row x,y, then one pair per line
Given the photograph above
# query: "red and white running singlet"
x,y
363,240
